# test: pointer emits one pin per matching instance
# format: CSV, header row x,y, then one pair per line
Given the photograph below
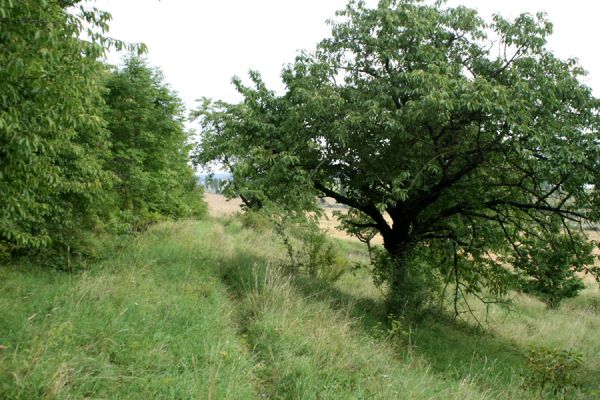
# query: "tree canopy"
x,y
149,147
460,141
62,172
52,135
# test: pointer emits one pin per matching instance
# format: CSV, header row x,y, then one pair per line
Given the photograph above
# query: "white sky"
x,y
201,44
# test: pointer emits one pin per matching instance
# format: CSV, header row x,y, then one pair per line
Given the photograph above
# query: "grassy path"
x,y
202,310
152,322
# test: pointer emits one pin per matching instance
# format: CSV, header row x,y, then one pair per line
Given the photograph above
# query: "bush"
x,y
256,220
548,267
397,331
5,250
417,290
551,369
321,259
308,248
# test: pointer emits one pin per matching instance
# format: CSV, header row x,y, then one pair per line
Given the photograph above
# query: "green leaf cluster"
x,y
547,266
52,136
58,161
552,369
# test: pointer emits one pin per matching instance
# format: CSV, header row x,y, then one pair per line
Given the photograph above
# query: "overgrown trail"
x,y
307,348
205,310
153,322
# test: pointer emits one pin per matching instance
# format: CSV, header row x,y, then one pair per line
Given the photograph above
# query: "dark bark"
x,y
251,203
398,245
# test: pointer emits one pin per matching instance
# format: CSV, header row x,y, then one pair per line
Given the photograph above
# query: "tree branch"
x,y
369,209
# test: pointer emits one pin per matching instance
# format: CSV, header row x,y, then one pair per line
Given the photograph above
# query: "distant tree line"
x,y
214,184
84,147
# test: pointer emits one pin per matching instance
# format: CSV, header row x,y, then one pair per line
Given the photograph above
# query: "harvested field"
x,y
218,205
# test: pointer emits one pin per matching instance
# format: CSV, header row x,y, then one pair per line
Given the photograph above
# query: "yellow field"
x,y
218,205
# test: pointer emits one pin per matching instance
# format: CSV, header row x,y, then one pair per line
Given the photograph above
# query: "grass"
x,y
153,322
207,310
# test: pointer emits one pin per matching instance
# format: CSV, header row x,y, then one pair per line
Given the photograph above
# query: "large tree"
x,y
149,147
459,141
52,136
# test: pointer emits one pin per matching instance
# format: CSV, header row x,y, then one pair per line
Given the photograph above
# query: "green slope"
x,y
204,310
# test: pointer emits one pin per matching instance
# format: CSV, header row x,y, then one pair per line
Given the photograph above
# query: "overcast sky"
x,y
201,44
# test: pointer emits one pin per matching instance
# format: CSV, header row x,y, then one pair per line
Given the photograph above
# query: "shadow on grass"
x,y
455,350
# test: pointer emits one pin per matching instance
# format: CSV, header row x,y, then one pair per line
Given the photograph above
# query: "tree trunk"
x,y
399,291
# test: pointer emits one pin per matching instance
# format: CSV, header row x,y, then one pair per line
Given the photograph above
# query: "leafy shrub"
x,y
548,267
255,220
5,249
308,248
321,258
397,331
551,369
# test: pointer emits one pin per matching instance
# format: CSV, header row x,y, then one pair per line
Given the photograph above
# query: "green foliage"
x,y
322,259
418,288
54,188
357,224
552,369
309,250
149,153
548,266
397,330
59,164
52,136
409,115
257,220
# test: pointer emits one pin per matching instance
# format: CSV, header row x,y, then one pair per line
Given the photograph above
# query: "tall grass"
x,y
154,321
208,310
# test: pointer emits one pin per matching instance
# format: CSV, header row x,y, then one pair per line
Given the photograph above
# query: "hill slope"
x,y
204,310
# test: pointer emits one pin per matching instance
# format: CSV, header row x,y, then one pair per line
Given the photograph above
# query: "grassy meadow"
x,y
205,310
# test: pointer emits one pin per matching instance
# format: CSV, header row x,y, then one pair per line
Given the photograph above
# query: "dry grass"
x,y
219,206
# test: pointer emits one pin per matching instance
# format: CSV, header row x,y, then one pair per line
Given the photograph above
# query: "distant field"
x,y
219,206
